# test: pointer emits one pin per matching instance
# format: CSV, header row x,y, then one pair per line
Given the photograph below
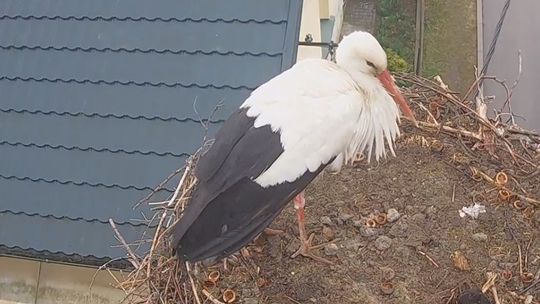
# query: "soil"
x,y
412,256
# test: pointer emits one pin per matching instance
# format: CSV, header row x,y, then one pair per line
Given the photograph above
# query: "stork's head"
x,y
360,52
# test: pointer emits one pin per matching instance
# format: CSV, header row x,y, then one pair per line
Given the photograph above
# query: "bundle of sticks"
x,y
159,277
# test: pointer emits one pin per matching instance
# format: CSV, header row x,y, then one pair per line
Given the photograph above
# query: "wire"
x,y
496,35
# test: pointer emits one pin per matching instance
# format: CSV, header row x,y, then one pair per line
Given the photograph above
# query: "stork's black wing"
x,y
228,209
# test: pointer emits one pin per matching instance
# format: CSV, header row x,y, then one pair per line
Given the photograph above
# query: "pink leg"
x,y
305,246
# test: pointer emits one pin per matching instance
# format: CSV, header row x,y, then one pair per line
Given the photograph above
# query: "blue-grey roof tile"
x,y
179,11
67,236
119,101
102,100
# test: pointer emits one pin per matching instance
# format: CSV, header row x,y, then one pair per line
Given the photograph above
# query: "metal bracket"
x,y
308,41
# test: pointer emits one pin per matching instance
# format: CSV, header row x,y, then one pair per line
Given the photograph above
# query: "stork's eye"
x,y
371,64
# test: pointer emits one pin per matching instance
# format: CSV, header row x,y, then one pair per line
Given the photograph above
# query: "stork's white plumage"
x,y
314,115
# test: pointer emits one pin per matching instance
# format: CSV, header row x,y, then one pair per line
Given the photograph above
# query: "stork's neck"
x,y
378,121
365,81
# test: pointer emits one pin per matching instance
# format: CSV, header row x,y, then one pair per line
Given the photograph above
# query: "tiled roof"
x,y
101,100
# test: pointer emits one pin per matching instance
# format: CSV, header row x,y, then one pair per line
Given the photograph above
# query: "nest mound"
x,y
495,163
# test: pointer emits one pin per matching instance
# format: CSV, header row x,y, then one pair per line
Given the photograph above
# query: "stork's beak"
x,y
388,82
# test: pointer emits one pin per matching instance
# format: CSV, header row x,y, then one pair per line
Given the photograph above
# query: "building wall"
x,y
321,19
311,24
519,33
26,281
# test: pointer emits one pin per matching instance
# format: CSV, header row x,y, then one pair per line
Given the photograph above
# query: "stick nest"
x,y
159,277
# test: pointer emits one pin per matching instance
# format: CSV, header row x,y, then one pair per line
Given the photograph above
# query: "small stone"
x,y
328,233
399,229
367,231
326,220
358,223
392,215
293,246
430,211
354,244
480,237
331,249
345,216
383,242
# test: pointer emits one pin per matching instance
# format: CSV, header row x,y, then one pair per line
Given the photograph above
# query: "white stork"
x,y
316,114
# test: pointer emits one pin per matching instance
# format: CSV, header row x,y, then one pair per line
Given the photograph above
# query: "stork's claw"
x,y
306,250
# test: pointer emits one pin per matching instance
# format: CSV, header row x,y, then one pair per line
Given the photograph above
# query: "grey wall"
x,y
521,31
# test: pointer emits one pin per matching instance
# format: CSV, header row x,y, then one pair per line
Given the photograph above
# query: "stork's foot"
x,y
306,248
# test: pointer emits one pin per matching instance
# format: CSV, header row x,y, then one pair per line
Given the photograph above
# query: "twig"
x,y
159,187
429,258
193,287
451,130
210,297
292,300
495,295
97,272
134,259
520,260
509,97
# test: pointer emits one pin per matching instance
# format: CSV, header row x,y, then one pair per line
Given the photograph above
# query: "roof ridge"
x,y
55,181
109,115
141,18
92,149
63,217
137,50
129,82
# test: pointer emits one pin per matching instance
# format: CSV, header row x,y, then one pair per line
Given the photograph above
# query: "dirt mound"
x,y
393,229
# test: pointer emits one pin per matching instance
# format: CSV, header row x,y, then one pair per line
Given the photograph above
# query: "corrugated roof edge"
x,y
79,183
290,47
135,19
64,258
74,219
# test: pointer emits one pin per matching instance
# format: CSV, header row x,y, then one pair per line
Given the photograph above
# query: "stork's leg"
x,y
305,244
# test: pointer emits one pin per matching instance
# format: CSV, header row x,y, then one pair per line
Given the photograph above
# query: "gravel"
x,y
331,249
328,233
326,220
399,229
367,231
358,223
354,244
392,215
345,216
383,242
480,237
